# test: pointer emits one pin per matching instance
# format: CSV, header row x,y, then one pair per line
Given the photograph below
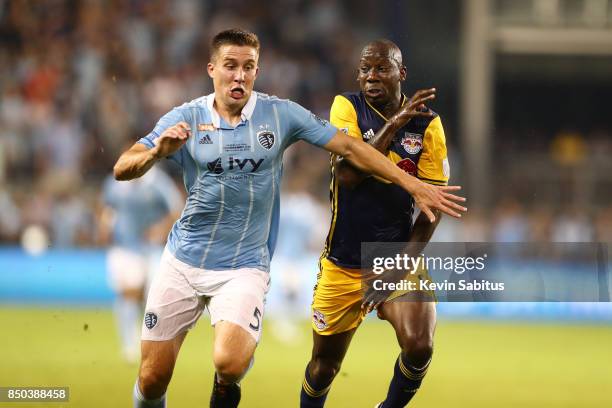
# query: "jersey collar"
x,y
245,115
404,99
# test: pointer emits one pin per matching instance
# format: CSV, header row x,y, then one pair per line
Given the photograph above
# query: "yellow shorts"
x,y
338,295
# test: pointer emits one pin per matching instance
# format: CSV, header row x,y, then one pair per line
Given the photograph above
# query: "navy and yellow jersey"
x,y
377,210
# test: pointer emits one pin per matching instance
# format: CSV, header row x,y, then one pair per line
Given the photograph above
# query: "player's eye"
x,y
364,70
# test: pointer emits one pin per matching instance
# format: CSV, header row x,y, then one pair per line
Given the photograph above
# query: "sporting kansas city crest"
x,y
150,320
266,139
412,142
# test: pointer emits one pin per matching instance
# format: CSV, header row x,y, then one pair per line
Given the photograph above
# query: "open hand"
x,y
415,107
429,197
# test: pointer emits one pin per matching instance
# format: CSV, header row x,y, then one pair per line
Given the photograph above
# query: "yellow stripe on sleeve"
x,y
344,116
433,164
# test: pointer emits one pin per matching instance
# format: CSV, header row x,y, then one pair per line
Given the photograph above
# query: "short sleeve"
x,y
433,164
305,125
169,119
344,117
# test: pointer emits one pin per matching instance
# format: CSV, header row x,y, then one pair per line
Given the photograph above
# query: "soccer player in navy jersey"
x,y
369,209
230,146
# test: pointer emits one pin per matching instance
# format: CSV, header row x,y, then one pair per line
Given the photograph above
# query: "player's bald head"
x,y
383,48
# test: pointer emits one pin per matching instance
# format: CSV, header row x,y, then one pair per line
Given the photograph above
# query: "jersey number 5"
x,y
257,316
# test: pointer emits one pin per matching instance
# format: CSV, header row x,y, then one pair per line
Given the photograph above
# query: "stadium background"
x,y
523,90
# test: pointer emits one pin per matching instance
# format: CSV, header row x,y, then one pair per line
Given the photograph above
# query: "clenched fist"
x,y
171,140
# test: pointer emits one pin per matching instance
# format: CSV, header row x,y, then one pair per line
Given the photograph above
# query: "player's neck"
x,y
390,107
232,115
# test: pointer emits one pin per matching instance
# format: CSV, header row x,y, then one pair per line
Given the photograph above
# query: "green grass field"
x,y
475,364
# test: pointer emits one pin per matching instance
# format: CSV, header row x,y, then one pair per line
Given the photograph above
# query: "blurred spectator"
x,y
10,217
572,225
510,224
603,225
72,220
540,224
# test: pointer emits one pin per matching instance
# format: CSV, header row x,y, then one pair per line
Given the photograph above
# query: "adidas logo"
x,y
206,139
368,135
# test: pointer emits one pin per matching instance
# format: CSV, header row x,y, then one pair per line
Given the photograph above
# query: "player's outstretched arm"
x,y
138,159
369,160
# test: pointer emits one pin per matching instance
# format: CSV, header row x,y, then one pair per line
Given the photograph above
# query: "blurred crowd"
x,y
80,81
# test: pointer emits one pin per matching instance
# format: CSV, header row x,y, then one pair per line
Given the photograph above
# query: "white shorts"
x,y
180,292
126,269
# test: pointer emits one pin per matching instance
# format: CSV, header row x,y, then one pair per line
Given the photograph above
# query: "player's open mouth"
x,y
237,93
373,92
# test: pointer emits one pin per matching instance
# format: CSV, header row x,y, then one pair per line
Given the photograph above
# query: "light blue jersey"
x,y
232,176
138,204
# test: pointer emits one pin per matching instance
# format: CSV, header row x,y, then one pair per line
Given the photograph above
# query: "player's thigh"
x,y
240,300
337,298
414,321
173,306
159,358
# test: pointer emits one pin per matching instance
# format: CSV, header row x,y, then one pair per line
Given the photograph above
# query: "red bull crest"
x,y
412,142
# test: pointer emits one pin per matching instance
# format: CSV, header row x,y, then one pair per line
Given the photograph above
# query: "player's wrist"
x,y
398,120
155,153
411,183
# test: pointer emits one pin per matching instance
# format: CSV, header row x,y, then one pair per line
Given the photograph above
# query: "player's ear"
x,y
403,73
210,69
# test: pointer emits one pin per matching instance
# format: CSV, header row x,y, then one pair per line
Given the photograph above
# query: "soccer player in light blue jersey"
x,y
135,220
230,146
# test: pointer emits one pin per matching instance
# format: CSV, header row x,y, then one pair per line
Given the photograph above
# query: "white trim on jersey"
x,y
246,223
216,226
247,110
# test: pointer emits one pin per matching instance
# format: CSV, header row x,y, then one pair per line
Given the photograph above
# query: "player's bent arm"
x,y
422,230
421,233
135,162
139,158
369,160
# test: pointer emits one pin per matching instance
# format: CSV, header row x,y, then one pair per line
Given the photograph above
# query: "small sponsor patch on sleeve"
x,y
322,121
